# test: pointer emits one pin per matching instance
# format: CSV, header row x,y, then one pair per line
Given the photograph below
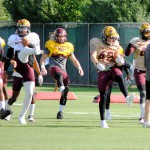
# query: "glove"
x,y
127,82
100,67
40,79
119,60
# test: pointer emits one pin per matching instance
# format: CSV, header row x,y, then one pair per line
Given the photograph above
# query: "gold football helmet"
x,y
109,31
2,42
23,27
145,31
23,22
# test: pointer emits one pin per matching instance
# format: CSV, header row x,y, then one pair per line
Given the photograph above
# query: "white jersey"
x,y
105,52
14,41
140,46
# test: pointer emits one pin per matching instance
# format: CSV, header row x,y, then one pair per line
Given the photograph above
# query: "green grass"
x,y
79,130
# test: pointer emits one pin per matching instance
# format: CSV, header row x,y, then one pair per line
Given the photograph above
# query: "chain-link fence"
x,y
79,34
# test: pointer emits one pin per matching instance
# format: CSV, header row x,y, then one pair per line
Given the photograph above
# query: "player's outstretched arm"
x,y
76,64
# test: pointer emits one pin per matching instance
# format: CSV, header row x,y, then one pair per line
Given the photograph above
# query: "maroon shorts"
x,y
25,70
105,78
56,70
139,77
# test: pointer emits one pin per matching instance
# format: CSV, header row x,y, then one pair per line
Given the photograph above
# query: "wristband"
x,y
42,66
79,68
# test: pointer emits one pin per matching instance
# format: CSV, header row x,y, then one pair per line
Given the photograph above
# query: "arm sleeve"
x,y
126,71
10,53
127,65
6,59
3,57
129,50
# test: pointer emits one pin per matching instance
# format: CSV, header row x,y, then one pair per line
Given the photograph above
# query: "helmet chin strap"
x,y
111,44
62,41
23,31
145,38
22,35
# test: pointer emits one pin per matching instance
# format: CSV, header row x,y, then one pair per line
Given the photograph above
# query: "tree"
x,y
116,11
45,11
4,15
93,11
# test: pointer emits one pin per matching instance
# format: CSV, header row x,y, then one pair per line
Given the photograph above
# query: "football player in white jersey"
x,y
22,47
137,46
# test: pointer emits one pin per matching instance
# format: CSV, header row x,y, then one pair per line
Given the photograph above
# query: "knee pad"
x,y
63,98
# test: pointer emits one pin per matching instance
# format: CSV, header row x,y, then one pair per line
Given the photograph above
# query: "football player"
x,y
105,55
22,47
147,102
3,93
137,46
96,99
59,50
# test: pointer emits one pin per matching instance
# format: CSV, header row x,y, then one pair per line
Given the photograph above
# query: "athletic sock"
x,y
7,106
61,107
31,109
142,107
2,104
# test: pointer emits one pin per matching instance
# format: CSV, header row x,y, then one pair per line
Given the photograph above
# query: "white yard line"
x,y
112,114
17,104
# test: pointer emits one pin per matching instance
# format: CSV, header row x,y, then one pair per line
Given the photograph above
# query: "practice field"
x,y
79,130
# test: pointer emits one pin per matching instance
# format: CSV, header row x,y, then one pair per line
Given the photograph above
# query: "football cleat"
x,y
30,118
104,124
96,99
22,120
141,120
60,115
146,124
4,113
7,118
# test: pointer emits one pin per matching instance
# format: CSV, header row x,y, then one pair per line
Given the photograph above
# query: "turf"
x,y
79,130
